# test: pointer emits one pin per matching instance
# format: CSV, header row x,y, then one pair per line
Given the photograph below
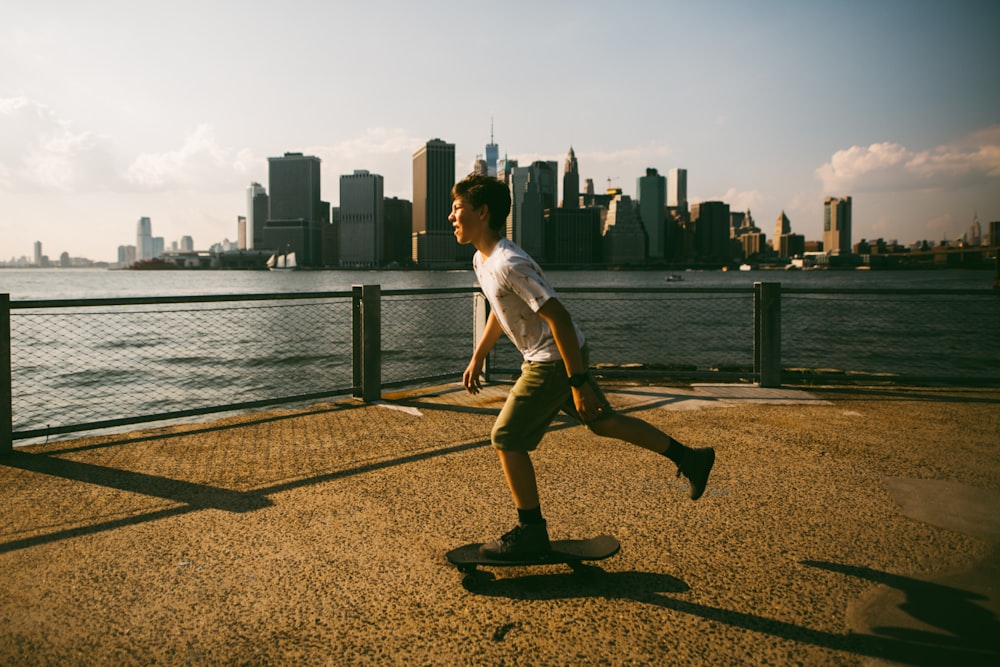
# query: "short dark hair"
x,y
480,190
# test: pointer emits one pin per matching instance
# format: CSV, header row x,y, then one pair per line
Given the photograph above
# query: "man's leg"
x,y
694,464
520,475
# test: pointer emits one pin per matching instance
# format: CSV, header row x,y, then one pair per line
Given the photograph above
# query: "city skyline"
x,y
769,106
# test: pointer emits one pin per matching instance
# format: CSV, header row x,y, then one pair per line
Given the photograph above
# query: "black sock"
x,y
675,451
530,516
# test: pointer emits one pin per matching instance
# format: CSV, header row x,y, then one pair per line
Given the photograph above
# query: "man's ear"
x,y
484,211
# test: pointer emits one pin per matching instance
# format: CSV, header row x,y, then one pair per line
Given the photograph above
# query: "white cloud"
x,y
40,151
199,164
891,167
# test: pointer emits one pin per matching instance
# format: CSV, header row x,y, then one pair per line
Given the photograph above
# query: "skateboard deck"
x,y
571,552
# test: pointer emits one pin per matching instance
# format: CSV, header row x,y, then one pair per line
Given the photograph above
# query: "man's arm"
x,y
474,371
561,324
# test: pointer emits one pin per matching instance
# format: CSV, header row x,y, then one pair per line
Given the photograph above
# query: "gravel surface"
x,y
841,526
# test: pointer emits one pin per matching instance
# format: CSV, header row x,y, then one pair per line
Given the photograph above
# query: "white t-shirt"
x,y
516,289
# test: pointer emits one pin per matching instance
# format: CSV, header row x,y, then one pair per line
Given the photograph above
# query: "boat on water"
x,y
673,278
282,262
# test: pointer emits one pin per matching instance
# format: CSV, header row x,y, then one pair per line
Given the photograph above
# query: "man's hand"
x,y
588,405
472,377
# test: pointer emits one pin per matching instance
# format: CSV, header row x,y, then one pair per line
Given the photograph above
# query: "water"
x,y
137,360
23,284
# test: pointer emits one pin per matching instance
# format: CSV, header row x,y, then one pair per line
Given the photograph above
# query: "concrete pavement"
x,y
842,525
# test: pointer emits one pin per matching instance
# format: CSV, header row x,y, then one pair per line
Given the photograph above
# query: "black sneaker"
x,y
525,540
696,464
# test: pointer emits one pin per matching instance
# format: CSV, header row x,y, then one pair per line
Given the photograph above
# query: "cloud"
x,y
742,201
40,151
199,164
889,167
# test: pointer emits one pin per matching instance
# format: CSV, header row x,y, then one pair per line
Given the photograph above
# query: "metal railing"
x,y
77,365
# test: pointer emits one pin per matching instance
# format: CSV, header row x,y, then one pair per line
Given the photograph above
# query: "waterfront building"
x,y
782,226
433,240
573,236
362,220
677,183
158,246
241,232
791,245
187,244
710,222
144,239
38,253
532,193
571,181
257,212
398,231
624,241
837,225
296,210
652,193
504,169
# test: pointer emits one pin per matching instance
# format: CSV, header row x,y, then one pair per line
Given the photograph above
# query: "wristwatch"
x,y
577,380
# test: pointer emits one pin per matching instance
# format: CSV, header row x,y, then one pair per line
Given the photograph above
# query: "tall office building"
x,y
398,232
624,241
433,176
241,232
532,193
837,225
38,253
144,239
571,181
492,154
677,188
296,214
652,191
782,226
257,207
362,220
711,224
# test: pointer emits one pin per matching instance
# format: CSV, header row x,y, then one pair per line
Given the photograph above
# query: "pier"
x,y
842,525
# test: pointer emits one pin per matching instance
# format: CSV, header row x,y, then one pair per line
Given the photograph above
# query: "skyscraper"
x,y
362,220
624,241
433,175
677,188
711,232
837,225
492,154
533,192
257,206
652,191
144,239
782,226
296,213
571,181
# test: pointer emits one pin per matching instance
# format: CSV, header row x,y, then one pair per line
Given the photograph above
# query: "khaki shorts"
x,y
534,401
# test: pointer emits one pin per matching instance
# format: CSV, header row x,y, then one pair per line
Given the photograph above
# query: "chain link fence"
x,y
947,336
83,365
653,331
108,364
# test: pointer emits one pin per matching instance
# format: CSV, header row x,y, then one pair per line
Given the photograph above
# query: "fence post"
x,y
767,334
367,327
480,313
6,388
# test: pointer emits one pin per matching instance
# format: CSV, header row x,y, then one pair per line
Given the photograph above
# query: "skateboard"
x,y
570,552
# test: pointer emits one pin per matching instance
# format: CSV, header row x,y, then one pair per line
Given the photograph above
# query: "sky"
x,y
114,110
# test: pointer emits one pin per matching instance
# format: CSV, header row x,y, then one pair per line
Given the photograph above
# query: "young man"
x,y
554,374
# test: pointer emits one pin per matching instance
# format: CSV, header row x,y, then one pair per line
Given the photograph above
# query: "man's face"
x,y
469,223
